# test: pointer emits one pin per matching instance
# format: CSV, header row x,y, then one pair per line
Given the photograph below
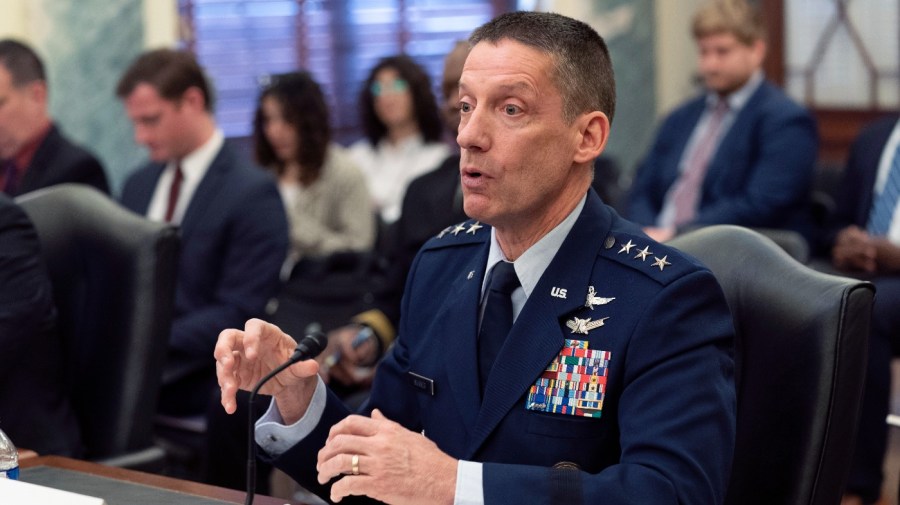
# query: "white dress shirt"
x,y
193,168
389,169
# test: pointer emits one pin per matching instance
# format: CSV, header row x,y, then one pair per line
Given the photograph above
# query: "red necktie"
x,y
686,194
11,175
174,191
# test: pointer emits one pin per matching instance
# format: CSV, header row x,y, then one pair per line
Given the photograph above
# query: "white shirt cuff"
x,y
276,438
469,487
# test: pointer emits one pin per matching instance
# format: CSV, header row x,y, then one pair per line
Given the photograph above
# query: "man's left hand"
x,y
393,464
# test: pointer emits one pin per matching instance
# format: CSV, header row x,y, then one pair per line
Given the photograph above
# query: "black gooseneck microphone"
x,y
310,346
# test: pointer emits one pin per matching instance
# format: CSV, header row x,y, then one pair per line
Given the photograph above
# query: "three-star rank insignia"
x,y
583,326
643,254
467,228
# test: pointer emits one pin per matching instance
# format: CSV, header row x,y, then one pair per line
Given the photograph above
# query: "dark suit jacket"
x,y
34,406
667,427
760,176
57,160
854,198
234,239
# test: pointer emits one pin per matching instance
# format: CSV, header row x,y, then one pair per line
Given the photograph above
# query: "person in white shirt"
x,y
403,132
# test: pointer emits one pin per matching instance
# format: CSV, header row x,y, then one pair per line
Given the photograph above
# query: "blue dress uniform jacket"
x,y
760,175
666,428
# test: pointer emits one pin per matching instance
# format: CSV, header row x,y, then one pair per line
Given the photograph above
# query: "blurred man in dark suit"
x,y
34,407
234,232
33,151
865,242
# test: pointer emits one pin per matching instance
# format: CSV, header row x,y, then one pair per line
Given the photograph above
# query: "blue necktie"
x,y
497,318
885,203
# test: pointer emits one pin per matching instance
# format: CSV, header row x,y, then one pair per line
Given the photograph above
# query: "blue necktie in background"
x,y
497,319
885,203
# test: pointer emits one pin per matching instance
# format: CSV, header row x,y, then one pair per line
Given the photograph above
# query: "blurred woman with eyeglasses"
x,y
323,189
403,132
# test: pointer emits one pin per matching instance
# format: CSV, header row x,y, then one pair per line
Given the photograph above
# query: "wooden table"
x,y
145,479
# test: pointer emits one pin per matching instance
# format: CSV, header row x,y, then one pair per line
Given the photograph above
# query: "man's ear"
x,y
193,98
593,133
37,91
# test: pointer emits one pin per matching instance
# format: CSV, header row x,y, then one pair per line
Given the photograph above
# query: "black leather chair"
x,y
113,275
800,355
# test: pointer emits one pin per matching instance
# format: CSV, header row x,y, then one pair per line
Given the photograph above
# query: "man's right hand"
x,y
243,357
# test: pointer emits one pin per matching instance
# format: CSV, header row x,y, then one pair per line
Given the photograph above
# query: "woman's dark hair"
x,y
303,106
424,104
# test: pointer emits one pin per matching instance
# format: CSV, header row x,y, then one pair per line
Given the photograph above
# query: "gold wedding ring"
x,y
354,464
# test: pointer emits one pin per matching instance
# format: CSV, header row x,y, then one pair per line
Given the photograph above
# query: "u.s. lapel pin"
x,y
592,299
583,326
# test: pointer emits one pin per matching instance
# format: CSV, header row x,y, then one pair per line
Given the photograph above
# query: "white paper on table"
x,y
24,493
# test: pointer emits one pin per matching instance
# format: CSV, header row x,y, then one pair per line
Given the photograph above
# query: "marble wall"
x,y
86,45
627,26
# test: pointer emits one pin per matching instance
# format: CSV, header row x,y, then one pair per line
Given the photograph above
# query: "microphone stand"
x,y
310,346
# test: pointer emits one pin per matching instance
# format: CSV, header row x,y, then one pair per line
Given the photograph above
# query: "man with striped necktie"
x,y
865,242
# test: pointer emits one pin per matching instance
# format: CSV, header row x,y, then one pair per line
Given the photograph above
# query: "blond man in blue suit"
x,y
740,153
614,382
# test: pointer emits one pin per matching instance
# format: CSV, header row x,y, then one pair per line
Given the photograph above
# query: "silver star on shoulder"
x,y
643,253
474,227
583,326
458,228
444,232
626,248
660,262
595,300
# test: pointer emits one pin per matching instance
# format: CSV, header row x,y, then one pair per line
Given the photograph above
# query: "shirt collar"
x,y
194,165
531,265
738,98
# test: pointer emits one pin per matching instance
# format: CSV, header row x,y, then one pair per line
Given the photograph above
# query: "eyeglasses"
x,y
394,87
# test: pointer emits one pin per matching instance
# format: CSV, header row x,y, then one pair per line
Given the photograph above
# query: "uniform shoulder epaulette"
x,y
656,260
466,232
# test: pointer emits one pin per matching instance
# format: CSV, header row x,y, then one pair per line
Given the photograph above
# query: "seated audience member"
x,y
403,132
741,153
34,407
234,233
324,192
458,417
33,151
865,243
